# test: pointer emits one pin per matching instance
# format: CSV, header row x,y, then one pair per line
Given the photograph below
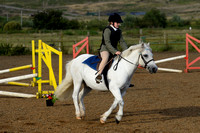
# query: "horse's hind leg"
x,y
82,94
77,86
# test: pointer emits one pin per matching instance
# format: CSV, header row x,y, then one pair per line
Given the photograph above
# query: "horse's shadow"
x,y
164,114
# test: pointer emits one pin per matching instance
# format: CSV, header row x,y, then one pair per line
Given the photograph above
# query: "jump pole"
x,y
170,59
18,78
170,70
15,94
15,69
19,83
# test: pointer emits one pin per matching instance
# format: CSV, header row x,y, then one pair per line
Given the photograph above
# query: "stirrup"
x,y
98,79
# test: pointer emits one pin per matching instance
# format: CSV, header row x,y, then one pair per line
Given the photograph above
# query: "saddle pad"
x,y
92,62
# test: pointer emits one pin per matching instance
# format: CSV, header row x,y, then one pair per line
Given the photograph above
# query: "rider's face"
x,y
116,25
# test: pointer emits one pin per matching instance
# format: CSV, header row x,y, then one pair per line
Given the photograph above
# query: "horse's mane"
x,y
134,47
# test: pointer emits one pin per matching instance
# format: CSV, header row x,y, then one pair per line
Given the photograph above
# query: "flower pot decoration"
x,y
50,99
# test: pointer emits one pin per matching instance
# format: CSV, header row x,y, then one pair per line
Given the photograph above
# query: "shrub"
x,y
73,24
20,50
176,21
12,26
2,22
5,49
8,49
96,24
131,22
27,23
164,48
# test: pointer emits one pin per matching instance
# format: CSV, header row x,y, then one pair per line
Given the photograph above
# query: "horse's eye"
x,y
145,55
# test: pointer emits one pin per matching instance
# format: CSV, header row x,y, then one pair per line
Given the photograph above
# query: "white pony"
x,y
78,73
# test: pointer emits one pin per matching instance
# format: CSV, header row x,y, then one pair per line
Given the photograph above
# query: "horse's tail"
x,y
65,89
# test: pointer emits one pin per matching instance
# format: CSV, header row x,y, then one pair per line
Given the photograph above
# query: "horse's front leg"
x,y
107,113
119,114
118,100
120,111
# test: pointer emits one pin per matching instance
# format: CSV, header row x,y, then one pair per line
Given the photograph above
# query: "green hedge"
x,y
9,49
12,26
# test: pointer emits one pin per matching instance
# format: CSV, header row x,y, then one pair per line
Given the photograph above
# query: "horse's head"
x,y
146,58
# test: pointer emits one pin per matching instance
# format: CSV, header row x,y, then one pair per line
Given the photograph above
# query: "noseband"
x,y
146,62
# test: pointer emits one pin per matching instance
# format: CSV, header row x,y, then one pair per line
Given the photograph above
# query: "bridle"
x,y
145,62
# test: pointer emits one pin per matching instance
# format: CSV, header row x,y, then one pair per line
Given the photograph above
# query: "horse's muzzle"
x,y
152,69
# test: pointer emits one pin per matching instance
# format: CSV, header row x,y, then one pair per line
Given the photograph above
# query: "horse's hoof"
x,y
102,121
78,118
117,121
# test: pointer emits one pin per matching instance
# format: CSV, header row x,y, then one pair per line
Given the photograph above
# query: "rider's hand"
x,y
118,53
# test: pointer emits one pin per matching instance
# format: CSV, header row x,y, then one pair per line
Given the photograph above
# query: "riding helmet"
x,y
115,18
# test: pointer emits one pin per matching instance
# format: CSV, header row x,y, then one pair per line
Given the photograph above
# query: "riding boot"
x,y
131,85
98,79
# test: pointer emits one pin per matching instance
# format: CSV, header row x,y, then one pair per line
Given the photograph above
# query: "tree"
x,y
154,18
54,20
39,20
176,21
131,22
49,19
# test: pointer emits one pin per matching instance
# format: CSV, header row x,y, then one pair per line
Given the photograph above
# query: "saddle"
x,y
94,61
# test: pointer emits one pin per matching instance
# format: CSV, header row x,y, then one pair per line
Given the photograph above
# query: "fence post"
x,y
141,39
165,39
61,40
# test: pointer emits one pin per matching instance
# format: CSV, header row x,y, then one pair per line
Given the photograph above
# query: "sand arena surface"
x,y
163,102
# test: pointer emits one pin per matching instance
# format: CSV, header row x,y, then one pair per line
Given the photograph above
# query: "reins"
x,y
106,64
120,57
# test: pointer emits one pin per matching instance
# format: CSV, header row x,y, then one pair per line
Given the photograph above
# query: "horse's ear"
x,y
142,45
148,44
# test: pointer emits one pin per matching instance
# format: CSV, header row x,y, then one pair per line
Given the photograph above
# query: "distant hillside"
x,y
187,9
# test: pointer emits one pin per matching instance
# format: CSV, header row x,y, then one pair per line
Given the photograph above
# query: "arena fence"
x,y
191,40
85,43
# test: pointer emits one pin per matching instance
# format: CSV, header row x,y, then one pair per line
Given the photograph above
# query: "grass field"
x,y
160,39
